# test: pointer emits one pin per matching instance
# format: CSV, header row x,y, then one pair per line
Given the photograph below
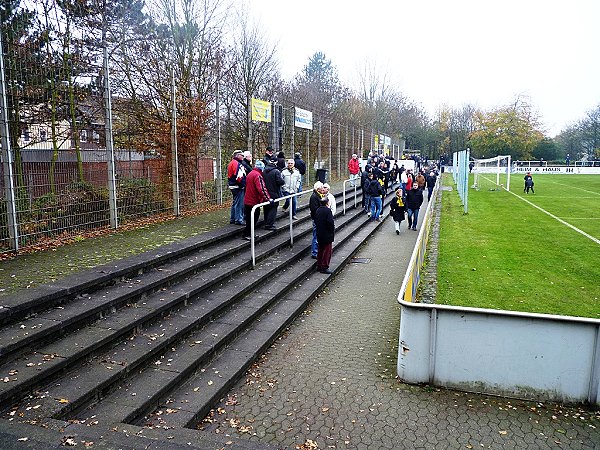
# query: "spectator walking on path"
x,y
431,180
292,182
256,193
397,209
274,182
414,200
354,169
528,183
236,179
314,203
420,180
325,234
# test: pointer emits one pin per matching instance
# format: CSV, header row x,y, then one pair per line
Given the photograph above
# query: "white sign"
x,y
557,170
303,118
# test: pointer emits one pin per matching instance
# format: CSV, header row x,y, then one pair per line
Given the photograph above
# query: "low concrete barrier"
x,y
529,356
523,355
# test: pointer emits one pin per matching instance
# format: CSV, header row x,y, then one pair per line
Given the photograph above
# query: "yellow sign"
x,y
261,110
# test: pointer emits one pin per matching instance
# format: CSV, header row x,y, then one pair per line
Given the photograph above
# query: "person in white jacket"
x,y
403,181
292,185
326,188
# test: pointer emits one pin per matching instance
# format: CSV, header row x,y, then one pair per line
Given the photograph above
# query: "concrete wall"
x,y
529,356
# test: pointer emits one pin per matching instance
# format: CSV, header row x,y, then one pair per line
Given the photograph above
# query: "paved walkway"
x,y
330,382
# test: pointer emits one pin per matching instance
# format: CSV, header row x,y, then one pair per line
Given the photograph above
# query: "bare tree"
x,y
254,72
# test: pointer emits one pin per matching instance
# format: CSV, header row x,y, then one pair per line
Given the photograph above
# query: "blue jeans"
x,y
413,217
314,248
367,202
375,207
237,206
287,203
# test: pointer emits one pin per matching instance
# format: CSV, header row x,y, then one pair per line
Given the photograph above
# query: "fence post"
x,y
110,151
11,211
174,154
330,150
219,149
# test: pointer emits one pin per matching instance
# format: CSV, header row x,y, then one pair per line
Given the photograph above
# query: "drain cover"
x,y
361,260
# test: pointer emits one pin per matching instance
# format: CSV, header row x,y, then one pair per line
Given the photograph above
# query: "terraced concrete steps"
x,y
122,353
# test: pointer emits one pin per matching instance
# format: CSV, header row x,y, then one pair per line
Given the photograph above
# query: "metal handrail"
x,y
255,207
344,193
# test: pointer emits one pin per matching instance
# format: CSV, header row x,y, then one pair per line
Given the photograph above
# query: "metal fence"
x,y
84,148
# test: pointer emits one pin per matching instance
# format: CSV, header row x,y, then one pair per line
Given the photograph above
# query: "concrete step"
x,y
142,349
52,359
260,317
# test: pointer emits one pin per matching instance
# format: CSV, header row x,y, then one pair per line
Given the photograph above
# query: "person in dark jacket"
x,y
325,234
273,181
313,204
366,199
375,190
528,183
281,161
269,155
301,166
431,180
397,209
256,193
414,200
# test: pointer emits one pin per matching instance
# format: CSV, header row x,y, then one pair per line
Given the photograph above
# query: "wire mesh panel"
x,y
113,113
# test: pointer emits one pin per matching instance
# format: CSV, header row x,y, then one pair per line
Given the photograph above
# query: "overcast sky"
x,y
452,52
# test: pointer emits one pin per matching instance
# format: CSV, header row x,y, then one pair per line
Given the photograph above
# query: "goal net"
x,y
492,174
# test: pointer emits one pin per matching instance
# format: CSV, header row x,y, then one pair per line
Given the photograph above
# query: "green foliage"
x,y
513,130
546,149
582,140
77,206
137,197
506,254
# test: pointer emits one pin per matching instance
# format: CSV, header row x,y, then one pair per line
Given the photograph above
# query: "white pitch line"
x,y
597,241
571,186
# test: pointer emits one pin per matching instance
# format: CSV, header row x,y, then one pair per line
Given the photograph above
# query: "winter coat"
x,y
414,199
256,191
396,210
353,166
325,225
300,165
273,181
374,188
236,174
420,181
292,179
314,203
431,179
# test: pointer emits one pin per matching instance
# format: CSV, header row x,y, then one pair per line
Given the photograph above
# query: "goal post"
x,y
492,173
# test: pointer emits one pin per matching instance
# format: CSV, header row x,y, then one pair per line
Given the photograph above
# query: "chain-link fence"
x,y
90,138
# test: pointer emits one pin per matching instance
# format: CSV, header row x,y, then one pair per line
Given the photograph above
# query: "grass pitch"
x,y
507,254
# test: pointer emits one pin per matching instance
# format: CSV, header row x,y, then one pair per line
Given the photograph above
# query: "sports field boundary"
x,y
507,353
574,228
